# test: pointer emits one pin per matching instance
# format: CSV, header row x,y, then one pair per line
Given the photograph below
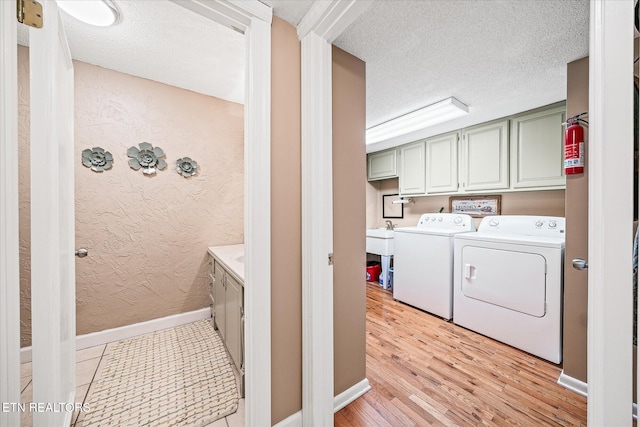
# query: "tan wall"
x,y
575,282
549,203
147,235
349,215
286,246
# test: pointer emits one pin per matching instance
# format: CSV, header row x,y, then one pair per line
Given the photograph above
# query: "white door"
x,y
52,219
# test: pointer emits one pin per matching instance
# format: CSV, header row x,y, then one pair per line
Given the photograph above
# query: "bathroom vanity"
x,y
226,293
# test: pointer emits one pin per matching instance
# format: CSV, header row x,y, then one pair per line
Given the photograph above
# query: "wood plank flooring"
x,y
426,371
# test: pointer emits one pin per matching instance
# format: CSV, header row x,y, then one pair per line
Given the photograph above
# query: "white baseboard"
x,y
339,402
572,384
116,334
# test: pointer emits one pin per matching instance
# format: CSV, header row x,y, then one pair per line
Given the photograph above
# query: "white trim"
x,y
124,332
9,246
254,19
317,233
328,19
609,360
572,384
318,28
339,402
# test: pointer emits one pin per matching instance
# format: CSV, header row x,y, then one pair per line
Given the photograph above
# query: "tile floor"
x,y
89,364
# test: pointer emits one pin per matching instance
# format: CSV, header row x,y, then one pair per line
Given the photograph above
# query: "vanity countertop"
x,y
232,257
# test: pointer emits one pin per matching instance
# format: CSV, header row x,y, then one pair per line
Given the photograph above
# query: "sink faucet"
x,y
389,225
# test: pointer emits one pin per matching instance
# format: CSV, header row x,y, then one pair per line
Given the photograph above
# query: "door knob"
x,y
82,252
580,264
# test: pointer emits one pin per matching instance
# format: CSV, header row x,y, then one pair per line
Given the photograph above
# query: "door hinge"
x,y
331,258
29,12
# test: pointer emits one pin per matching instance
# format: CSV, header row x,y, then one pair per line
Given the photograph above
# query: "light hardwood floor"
x,y
426,371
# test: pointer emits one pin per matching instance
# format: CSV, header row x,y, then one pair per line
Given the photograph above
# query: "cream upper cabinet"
x,y
537,148
442,163
485,157
382,165
412,169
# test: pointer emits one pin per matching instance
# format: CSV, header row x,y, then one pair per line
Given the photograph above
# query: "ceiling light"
x,y
430,115
100,13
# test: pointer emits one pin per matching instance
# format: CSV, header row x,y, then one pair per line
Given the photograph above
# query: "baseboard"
x,y
572,384
339,402
116,334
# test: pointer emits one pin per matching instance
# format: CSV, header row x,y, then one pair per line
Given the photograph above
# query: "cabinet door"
x,y
382,165
485,159
537,149
442,163
220,315
234,321
412,169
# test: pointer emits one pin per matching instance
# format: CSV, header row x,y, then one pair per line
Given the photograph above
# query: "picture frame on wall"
x,y
476,206
391,209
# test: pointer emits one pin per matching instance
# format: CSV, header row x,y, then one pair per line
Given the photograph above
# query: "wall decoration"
x,y
147,157
475,206
392,206
186,167
97,159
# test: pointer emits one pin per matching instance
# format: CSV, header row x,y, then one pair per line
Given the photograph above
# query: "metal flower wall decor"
x,y
147,157
97,159
186,167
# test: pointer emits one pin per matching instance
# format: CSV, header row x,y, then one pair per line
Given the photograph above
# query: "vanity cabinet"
x,y
412,169
485,157
442,163
382,165
537,148
227,304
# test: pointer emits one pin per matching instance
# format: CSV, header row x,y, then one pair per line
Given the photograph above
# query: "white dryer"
x,y
423,262
508,282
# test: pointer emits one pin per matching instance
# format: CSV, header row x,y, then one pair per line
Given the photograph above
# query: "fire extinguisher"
x,y
574,145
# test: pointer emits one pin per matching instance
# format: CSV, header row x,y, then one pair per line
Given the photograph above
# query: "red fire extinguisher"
x,y
574,145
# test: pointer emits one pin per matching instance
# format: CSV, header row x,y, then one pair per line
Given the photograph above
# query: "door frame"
x,y
254,20
9,243
609,349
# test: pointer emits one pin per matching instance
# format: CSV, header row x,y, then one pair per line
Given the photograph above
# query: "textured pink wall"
x,y
147,235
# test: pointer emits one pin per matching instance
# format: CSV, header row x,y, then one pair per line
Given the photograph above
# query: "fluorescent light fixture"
x,y
100,13
430,115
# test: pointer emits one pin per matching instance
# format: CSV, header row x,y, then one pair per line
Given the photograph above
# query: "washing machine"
x,y
508,280
423,261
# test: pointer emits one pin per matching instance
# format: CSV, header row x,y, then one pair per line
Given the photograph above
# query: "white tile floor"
x,y
89,364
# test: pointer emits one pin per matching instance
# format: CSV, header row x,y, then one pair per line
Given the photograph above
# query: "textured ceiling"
x,y
162,41
499,57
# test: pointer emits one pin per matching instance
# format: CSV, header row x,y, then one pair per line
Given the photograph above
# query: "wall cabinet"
x,y
485,157
412,169
537,148
382,165
227,295
442,163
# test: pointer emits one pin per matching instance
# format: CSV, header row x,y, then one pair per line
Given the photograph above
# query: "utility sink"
x,y
380,241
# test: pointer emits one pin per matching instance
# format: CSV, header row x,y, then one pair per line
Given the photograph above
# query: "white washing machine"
x,y
423,262
508,282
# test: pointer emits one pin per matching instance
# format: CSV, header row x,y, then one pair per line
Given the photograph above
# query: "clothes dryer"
x,y
508,282
423,262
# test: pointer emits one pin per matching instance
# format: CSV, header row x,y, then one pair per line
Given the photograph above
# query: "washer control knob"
x,y
440,218
539,223
552,224
457,220
433,218
494,222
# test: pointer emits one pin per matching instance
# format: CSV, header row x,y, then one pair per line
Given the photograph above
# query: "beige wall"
x,y
575,282
147,235
286,250
550,202
349,216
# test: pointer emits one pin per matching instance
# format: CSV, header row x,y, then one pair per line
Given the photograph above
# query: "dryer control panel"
x,y
525,225
446,221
